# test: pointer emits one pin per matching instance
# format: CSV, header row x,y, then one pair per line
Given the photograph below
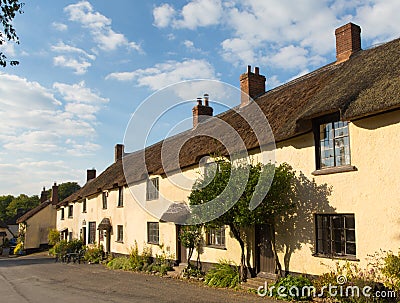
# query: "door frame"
x,y
264,272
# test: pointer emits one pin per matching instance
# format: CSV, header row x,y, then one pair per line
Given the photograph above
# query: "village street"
x,y
37,278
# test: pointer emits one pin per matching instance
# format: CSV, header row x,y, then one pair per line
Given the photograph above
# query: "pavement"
x,y
38,279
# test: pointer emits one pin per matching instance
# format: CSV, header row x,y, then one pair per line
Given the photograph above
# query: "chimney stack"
x,y
202,112
43,195
90,174
54,194
119,152
251,85
348,41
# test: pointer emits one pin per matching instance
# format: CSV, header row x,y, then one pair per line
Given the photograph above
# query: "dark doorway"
x,y
84,235
265,261
181,250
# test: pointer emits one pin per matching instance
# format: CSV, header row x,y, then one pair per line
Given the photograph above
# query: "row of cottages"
x,y
35,224
338,126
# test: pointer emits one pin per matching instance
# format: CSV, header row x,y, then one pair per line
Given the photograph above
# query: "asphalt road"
x,y
38,279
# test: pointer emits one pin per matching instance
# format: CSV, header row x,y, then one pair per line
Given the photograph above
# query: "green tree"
x,y
65,189
4,202
277,201
22,202
9,8
190,237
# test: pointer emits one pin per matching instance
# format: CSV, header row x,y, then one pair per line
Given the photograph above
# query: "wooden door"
x,y
265,261
181,250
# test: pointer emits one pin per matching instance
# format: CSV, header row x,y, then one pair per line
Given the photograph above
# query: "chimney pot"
x,y
257,70
119,152
348,41
90,174
206,98
201,112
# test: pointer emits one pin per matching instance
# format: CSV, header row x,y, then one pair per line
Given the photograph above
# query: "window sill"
x,y
84,212
153,243
334,170
348,258
222,247
120,206
122,242
70,217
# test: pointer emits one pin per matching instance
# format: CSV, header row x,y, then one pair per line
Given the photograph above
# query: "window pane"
x,y
351,249
350,222
350,235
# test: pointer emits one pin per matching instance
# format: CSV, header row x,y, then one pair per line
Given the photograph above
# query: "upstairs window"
x,y
121,196
104,198
84,205
152,188
332,142
62,214
335,235
70,211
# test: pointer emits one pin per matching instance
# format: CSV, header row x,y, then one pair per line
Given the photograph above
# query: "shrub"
x,y
192,272
122,263
94,255
292,288
391,270
59,248
53,236
223,274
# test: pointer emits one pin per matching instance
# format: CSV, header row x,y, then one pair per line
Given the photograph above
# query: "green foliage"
x,y
192,272
191,237
391,270
256,180
65,190
354,277
4,202
291,288
22,202
9,8
94,255
223,274
53,236
59,248
121,263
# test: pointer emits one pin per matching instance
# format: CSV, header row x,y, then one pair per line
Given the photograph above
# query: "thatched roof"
x,y
366,84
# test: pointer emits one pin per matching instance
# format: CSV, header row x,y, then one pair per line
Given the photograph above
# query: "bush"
x,y
391,270
94,255
53,236
292,288
59,248
192,272
122,263
223,274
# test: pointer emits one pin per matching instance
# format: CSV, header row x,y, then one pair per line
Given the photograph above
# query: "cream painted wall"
x,y
37,227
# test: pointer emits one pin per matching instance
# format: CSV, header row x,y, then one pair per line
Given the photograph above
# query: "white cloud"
x,y
78,93
197,13
170,72
238,50
99,27
163,15
80,66
59,26
61,47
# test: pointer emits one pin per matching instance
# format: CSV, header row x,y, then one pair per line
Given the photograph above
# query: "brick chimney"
x,y
119,152
202,112
348,41
43,195
90,174
251,84
54,194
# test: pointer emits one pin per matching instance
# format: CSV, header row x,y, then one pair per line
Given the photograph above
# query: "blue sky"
x,y
85,66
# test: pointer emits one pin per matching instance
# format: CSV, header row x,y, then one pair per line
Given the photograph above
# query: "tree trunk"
x,y
277,262
243,268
